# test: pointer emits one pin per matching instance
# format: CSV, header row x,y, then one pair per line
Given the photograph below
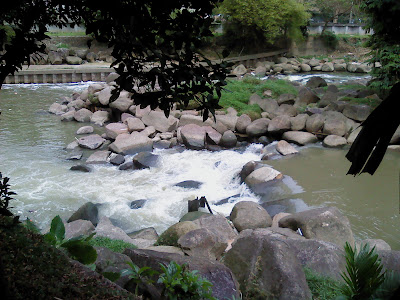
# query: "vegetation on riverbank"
x,y
321,287
114,245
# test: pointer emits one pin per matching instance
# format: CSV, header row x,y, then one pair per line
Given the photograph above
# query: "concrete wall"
x,y
338,28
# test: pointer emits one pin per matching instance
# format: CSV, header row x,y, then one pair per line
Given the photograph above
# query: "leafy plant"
x,y
364,273
77,247
114,245
5,196
182,284
139,275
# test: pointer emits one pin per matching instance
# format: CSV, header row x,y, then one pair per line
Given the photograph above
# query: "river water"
x,y
32,154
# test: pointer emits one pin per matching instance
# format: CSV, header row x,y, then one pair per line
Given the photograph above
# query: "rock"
x,y
249,215
353,135
92,142
111,77
219,226
100,117
247,169
193,136
266,267
228,139
286,110
68,116
327,67
149,131
91,57
377,243
73,60
260,71
135,124
98,157
277,217
115,129
122,103
335,126
228,120
85,130
224,285
285,148
96,87
315,123
72,145
191,119
57,109
193,215
316,82
160,122
107,229
261,176
81,168
131,144
298,122
314,62
334,141
126,166
279,124
306,96
202,243
305,68
258,127
75,155
116,159
357,112
83,115
107,258
104,95
136,204
189,184
77,104
326,224
213,137
286,99
239,70
171,236
77,228
88,212
167,249
145,160
146,234
363,68
299,137
242,123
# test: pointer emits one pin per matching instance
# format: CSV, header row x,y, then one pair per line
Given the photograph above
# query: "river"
x,y
32,154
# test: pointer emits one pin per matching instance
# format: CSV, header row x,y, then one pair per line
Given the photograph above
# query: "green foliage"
x,y
385,41
321,287
333,9
330,40
114,245
5,196
63,45
253,21
33,269
182,284
139,275
364,273
367,101
77,247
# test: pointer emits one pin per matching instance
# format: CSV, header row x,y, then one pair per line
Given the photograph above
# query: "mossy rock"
x,y
254,115
171,235
193,215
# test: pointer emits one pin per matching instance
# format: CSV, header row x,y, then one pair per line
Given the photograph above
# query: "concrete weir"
x,y
60,73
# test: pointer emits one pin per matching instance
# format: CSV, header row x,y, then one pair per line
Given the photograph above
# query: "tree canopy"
x,y
154,43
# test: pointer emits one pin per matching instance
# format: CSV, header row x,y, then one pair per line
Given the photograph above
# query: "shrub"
x,y
330,39
113,245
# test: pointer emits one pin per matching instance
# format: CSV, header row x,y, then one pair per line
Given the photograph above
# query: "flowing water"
x,y
32,154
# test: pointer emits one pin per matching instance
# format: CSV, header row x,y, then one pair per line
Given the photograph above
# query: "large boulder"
x,y
224,284
191,119
334,141
202,243
299,137
325,224
122,103
327,67
88,212
77,228
218,225
228,139
92,141
85,130
306,96
335,125
316,82
298,122
134,124
83,115
68,116
258,127
104,95
131,144
286,99
287,110
98,157
315,123
171,236
213,137
266,268
242,123
115,129
100,117
262,175
160,122
279,124
285,148
106,229
249,215
145,160
193,136
73,60
357,112
228,120
239,70
58,109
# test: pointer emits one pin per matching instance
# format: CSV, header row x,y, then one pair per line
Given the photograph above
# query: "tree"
x,y
331,10
154,43
252,21
384,24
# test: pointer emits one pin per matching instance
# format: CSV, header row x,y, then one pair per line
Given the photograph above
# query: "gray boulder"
x,y
305,68
83,115
171,236
258,127
377,243
117,159
327,67
316,82
88,212
213,137
73,60
58,109
286,99
315,123
306,96
131,144
228,139
77,228
115,129
279,124
299,137
285,148
249,215
145,160
191,119
106,229
357,112
262,175
98,157
134,124
287,110
219,226
334,141
335,126
242,123
81,168
85,130
193,136
92,142
239,70
122,103
325,224
100,117
228,120
104,95
298,122
160,122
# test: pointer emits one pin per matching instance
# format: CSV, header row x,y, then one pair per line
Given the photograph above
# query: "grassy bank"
x,y
322,288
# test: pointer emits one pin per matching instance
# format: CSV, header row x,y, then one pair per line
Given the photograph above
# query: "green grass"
x,y
371,102
237,93
63,45
322,287
113,245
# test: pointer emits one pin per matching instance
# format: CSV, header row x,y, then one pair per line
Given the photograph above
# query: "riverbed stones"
x,y
315,123
129,144
249,215
266,267
68,116
98,157
160,122
92,142
96,87
122,103
300,137
189,184
325,224
75,155
58,109
316,82
213,137
242,123
228,139
284,148
193,136
262,175
85,130
77,228
106,229
115,129
83,115
306,96
202,243
194,119
171,236
334,141
258,127
279,124
87,211
73,60
298,122
81,168
218,225
357,112
134,124
104,95
100,117
146,160
228,120
239,70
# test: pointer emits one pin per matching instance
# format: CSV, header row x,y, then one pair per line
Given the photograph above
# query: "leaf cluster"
x,y
5,196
